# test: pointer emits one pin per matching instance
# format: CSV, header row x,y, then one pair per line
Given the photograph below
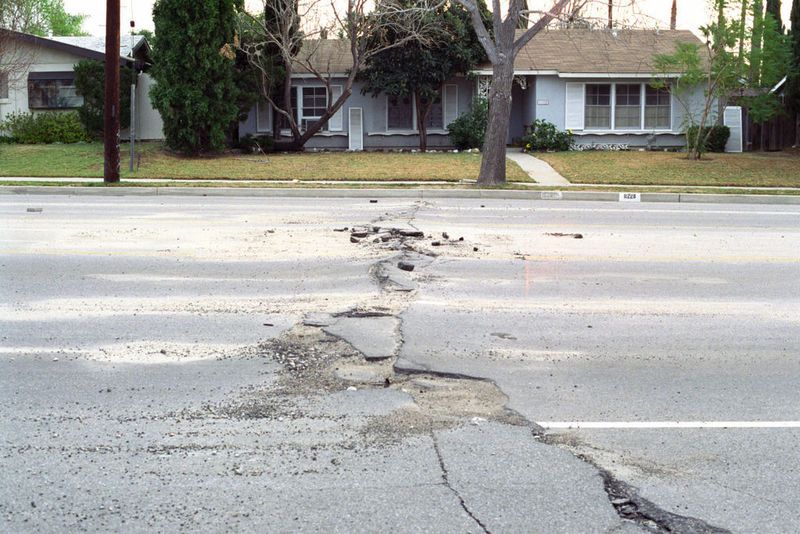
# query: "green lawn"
x,y
86,160
752,169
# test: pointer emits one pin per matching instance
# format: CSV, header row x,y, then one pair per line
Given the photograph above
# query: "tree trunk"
x,y
422,116
673,15
797,129
742,28
756,42
493,164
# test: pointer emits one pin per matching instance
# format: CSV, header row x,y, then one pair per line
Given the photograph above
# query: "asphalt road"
x,y
233,364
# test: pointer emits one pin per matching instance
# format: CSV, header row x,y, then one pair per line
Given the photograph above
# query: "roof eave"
x,y
37,40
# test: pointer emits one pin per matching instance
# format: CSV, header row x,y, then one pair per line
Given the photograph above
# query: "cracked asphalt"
x,y
239,364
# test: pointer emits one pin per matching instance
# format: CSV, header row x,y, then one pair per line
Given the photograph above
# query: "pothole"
x,y
314,363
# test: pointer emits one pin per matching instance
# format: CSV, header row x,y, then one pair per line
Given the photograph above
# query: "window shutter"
x,y
573,118
335,122
263,116
450,104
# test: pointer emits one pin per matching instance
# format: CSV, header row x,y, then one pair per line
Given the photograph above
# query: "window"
x,y
657,109
400,114
315,104
598,106
628,107
309,108
53,91
632,107
3,85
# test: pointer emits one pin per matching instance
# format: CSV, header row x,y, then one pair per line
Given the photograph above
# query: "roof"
x,y
98,44
599,51
88,47
779,85
569,51
325,56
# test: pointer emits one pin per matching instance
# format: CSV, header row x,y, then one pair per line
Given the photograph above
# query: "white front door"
x,y
356,129
732,118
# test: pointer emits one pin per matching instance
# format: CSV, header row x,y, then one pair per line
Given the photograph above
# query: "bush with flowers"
x,y
544,135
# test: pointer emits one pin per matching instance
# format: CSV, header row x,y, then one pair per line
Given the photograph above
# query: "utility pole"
x,y
111,107
610,14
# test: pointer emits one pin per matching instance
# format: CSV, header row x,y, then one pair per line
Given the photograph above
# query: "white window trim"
x,y
614,129
414,129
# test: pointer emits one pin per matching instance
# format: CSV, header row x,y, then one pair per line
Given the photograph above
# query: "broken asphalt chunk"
x,y
562,234
410,233
404,265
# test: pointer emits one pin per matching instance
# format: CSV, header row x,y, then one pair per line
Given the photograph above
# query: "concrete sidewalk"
x,y
377,184
537,169
404,193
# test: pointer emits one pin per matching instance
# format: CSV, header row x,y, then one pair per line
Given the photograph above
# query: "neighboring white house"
x,y
43,77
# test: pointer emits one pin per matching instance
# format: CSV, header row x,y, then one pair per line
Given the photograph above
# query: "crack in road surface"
x,y
629,505
315,362
624,498
446,479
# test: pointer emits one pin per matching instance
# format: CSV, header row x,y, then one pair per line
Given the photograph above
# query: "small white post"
x,y
132,129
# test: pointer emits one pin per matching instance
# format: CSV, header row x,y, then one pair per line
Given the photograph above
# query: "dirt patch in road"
x,y
315,364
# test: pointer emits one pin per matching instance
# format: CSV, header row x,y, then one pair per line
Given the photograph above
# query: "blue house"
x,y
596,83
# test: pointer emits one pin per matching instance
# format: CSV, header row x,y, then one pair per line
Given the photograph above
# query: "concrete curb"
x,y
498,194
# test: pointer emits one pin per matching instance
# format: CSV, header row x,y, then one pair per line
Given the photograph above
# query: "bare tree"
x,y
502,46
15,61
296,36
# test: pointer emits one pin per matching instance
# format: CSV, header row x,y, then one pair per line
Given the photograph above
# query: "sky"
x,y
691,13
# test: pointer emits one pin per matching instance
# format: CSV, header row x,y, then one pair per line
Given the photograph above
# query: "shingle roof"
x,y
98,44
599,51
561,51
325,55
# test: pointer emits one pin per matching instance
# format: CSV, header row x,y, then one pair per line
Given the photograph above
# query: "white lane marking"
x,y
601,425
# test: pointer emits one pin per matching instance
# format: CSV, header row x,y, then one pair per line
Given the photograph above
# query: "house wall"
x,y
551,106
376,135
44,59
149,126
36,59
